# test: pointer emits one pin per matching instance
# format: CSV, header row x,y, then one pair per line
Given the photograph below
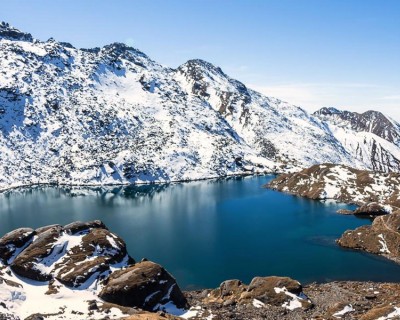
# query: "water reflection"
x,y
207,231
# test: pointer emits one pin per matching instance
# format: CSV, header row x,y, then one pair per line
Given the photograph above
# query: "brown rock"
x,y
14,240
263,289
372,208
45,228
106,247
78,226
378,312
353,186
24,264
382,237
276,291
145,285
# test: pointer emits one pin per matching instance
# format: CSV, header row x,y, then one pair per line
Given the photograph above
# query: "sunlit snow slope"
x,y
112,115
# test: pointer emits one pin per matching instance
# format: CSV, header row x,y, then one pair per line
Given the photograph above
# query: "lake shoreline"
x,y
122,184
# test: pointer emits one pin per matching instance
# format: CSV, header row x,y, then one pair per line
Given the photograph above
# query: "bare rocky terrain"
x,y
372,191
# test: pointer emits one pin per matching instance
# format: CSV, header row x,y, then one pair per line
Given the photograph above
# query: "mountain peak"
x,y
369,121
121,48
327,111
10,33
196,66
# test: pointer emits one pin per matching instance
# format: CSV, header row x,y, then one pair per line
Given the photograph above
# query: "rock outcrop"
x,y
145,284
86,265
382,237
262,292
70,254
375,192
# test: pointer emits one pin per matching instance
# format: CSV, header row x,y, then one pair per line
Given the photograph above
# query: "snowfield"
x,y
112,115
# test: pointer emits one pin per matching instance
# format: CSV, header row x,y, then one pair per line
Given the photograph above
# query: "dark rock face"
x,y
199,71
145,285
382,237
13,241
371,209
8,32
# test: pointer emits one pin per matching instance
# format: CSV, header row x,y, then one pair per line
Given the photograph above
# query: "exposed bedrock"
x,y
382,237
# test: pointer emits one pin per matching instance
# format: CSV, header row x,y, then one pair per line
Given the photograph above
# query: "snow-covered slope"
x,y
275,129
109,115
371,137
112,115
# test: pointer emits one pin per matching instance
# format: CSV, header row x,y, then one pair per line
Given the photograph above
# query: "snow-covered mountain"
x,y
112,115
371,137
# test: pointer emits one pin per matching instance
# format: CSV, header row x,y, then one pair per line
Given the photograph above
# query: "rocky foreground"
x,y
83,271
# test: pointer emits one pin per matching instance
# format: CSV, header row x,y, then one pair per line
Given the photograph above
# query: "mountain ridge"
x,y
112,115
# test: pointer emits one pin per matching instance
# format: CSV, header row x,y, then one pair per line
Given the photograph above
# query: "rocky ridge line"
x,y
112,115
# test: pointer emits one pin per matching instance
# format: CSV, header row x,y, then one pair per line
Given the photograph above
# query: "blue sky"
x,y
314,53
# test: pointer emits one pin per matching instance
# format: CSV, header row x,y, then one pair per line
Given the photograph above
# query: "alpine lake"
x,y
206,232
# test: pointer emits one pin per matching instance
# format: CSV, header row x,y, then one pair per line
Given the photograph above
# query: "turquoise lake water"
x,y
209,231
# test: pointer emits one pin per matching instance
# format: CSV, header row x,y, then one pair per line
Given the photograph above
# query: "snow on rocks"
x,y
382,237
145,284
70,271
262,292
375,192
345,310
370,137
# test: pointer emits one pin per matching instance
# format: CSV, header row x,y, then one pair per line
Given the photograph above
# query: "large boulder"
x,y
33,262
12,242
71,254
145,285
101,246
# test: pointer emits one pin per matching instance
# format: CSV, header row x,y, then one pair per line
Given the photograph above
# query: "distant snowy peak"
x,y
370,137
369,121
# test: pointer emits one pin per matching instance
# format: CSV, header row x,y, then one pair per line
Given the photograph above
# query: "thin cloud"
x,y
358,97
392,97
